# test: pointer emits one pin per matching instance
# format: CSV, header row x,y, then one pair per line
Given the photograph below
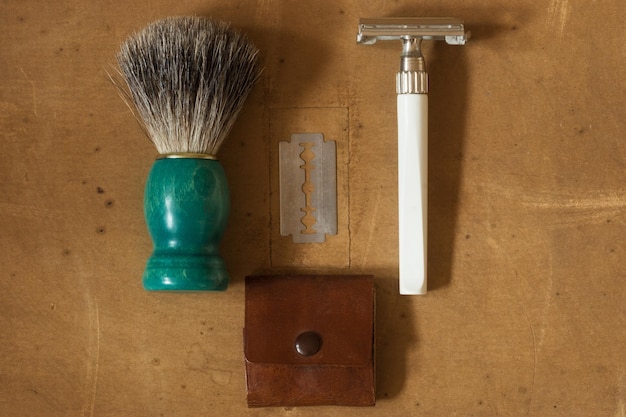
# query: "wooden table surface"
x,y
526,310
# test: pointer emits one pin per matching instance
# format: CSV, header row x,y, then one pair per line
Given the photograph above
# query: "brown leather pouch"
x,y
309,340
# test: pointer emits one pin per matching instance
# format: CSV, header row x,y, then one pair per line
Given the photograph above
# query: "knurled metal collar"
x,y
412,82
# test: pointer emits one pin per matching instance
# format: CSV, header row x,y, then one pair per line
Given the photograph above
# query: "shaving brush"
x,y
187,79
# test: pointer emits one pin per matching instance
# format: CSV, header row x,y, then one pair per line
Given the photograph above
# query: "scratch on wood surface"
x,y
621,409
558,14
94,358
264,10
561,199
532,387
608,201
571,208
573,211
547,302
372,228
34,91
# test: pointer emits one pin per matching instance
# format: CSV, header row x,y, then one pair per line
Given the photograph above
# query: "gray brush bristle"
x,y
188,78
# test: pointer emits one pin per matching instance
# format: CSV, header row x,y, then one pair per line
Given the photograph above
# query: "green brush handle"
x,y
186,207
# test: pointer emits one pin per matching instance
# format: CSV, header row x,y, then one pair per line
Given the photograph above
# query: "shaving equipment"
x,y
412,102
187,79
308,188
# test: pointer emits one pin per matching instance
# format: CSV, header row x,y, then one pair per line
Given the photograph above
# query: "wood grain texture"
x,y
526,311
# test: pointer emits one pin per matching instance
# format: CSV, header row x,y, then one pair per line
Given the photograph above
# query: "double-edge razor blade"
x,y
308,188
448,29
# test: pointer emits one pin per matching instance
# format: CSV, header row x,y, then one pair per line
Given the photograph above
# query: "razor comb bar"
x,y
308,188
446,29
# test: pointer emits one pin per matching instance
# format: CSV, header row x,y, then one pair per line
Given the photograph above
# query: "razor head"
x,y
446,29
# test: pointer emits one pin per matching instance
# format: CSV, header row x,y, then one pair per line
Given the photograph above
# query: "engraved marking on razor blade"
x,y
308,220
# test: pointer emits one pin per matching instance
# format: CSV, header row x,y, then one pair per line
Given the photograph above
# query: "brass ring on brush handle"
x,y
187,155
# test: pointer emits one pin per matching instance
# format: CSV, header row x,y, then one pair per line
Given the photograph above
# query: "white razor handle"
x,y
413,192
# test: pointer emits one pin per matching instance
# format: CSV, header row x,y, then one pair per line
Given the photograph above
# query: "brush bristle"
x,y
188,78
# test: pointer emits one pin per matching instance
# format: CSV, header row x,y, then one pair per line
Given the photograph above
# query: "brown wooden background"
x,y
526,314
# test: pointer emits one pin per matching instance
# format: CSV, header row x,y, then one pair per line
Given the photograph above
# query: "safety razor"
x,y
412,90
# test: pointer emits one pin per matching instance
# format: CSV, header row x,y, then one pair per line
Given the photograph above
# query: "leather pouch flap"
x,y
340,309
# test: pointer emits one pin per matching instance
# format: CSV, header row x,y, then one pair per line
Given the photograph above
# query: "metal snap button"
x,y
308,343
